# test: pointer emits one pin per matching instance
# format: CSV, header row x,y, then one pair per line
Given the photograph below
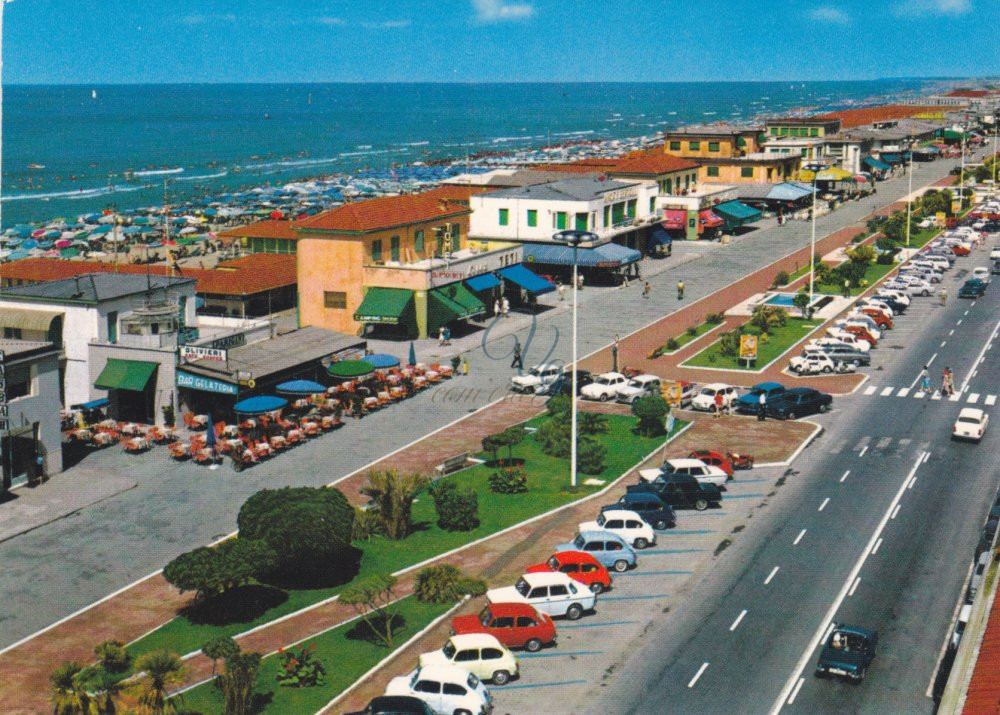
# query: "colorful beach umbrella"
x,y
259,405
300,387
381,360
345,369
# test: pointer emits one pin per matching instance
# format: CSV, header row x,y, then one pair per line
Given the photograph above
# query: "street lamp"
x,y
812,242
909,197
574,238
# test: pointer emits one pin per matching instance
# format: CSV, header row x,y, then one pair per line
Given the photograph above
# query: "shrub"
x,y
445,584
651,410
714,318
859,237
559,407
457,508
765,317
112,656
672,344
554,437
210,571
509,479
592,422
729,344
590,455
219,648
238,682
781,279
692,330
885,259
367,523
300,668
392,496
374,600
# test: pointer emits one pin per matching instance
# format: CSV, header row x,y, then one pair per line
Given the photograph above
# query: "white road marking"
x,y
966,312
798,687
875,548
951,332
795,543
919,395
855,586
954,397
973,398
943,343
823,505
975,372
959,322
936,395
912,482
831,612
845,476
870,389
736,623
991,400
903,392
896,511
927,455
886,391
863,450
698,674
981,353
777,568
933,358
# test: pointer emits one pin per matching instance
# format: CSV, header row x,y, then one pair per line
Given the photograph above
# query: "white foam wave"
x,y
573,134
158,172
502,140
78,194
204,176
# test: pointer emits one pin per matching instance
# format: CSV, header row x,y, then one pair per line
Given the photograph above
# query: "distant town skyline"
x,y
121,41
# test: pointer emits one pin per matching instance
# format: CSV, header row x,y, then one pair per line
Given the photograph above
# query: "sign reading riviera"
x,y
205,384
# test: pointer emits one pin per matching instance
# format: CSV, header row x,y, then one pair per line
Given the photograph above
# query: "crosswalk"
x,y
971,398
877,446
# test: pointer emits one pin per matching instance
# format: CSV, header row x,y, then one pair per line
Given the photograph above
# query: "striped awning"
x,y
27,319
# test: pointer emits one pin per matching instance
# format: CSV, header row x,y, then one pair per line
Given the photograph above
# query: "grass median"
x,y
780,338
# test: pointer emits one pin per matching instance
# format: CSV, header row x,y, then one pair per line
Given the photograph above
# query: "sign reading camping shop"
x,y
205,384
189,352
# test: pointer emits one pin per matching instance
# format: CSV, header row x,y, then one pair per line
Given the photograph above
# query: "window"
x,y
784,131
456,237
560,219
694,146
652,204
580,223
465,656
613,546
632,524
492,654
814,131
713,146
427,686
394,248
630,208
774,131
618,212
593,546
747,172
540,592
439,235
669,186
12,333
377,250
504,217
335,299
615,524
503,622
418,241
675,146
570,568
558,591
113,327
18,382
607,215
526,622
453,689
712,170
532,217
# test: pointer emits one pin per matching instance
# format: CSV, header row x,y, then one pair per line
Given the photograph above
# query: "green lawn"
x,y
920,237
685,337
779,340
875,272
346,659
548,487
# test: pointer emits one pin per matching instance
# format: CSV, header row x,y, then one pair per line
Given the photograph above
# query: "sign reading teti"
x,y
189,352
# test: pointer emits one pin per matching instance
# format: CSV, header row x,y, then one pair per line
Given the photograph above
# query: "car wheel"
x,y
823,408
701,504
604,397
924,293
501,677
791,416
462,712
640,543
596,587
660,525
621,566
533,646
861,676
827,368
574,612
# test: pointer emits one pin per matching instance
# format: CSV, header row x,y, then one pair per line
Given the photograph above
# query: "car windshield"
x,y
553,563
969,419
473,681
635,383
579,541
449,650
601,520
707,391
485,617
522,587
604,380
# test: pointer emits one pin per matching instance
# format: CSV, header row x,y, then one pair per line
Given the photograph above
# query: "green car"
x,y
847,653
972,288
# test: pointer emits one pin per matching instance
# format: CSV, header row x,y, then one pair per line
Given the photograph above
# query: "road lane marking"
x,y
823,505
951,332
896,511
736,623
927,455
870,389
886,391
912,482
855,586
919,395
903,392
598,625
863,450
776,568
954,397
634,598
832,611
883,443
991,400
874,548
943,343
798,687
936,395
698,674
654,573
796,542
543,685
959,322
933,358
966,312
845,476
981,354
973,398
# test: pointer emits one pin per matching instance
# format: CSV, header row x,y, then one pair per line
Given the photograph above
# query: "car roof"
x,y
646,377
857,630
970,412
716,385
446,673
547,578
599,535
610,374
574,557
514,609
391,702
706,453
638,497
621,513
684,462
800,391
766,385
475,640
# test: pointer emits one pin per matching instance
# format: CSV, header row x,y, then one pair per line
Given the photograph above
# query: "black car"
x,y
896,306
798,402
650,507
996,267
847,653
972,288
681,491
395,705
563,385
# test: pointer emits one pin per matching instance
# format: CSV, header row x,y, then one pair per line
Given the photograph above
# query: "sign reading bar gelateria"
x,y
205,384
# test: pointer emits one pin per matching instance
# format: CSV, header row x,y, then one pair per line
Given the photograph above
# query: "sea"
x,y
71,149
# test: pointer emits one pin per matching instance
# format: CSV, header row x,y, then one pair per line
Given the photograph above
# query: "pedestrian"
x,y
718,405
518,360
944,296
579,282
647,289
847,287
496,307
505,307
447,335
947,382
624,280
925,380
441,336
635,266
614,355
680,290
761,407
465,367
561,290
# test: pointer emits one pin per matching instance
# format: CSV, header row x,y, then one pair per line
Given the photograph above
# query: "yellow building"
x,y
750,169
801,127
712,142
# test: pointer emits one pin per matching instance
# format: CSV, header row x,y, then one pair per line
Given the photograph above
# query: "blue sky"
x,y
115,41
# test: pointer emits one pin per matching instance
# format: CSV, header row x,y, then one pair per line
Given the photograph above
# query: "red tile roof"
x,y
271,228
251,274
455,192
381,213
644,161
970,93
850,118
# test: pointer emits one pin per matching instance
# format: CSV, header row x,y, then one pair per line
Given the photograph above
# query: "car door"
x,y
430,692
539,598
596,549
632,528
526,629
502,629
452,697
558,598
468,658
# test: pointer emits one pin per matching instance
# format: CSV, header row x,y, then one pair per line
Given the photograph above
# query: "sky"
x,y
153,41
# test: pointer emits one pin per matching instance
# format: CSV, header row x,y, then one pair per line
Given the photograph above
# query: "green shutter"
x,y
607,215
532,217
747,172
630,208
618,213
561,220
814,131
504,217
713,146
581,222
377,250
675,146
652,204
439,235
669,183
418,241
456,237
713,171
694,146
394,248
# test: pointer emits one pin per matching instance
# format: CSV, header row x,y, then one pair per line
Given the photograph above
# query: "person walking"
x,y
579,282
646,289
465,366
680,290
441,336
561,290
505,307
718,405
925,380
847,288
947,382
518,360
614,355
496,307
944,296
761,408
447,335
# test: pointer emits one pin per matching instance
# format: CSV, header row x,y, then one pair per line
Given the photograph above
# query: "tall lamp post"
x,y
909,197
574,239
812,241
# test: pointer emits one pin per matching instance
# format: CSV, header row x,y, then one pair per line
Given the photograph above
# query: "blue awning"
x,y
659,236
526,279
300,387
259,405
94,404
381,360
483,282
736,213
875,163
891,158
610,255
788,191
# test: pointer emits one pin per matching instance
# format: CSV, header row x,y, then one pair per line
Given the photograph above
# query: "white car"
x,y
445,689
897,295
926,223
981,273
624,523
536,379
971,424
811,364
479,653
995,254
939,263
867,323
639,386
705,399
604,387
552,593
876,303
817,344
925,271
696,468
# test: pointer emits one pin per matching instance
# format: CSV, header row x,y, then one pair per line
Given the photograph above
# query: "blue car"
x,y
747,403
610,549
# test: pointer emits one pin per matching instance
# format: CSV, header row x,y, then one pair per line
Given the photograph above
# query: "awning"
x,y
259,405
875,163
834,173
929,147
26,319
483,282
528,280
93,404
786,191
658,236
384,305
674,219
350,368
456,300
300,387
125,375
736,213
610,255
708,219
891,158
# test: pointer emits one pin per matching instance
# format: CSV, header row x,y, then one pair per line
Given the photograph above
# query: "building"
x,y
800,127
750,168
712,142
30,430
269,236
397,266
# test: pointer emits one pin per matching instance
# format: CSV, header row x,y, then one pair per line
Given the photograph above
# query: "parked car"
x,y
579,566
395,705
705,399
516,625
897,295
963,620
866,321
639,386
995,253
847,338
555,594
681,491
626,524
894,304
650,507
971,424
810,363
748,403
716,459
604,387
846,354
479,653
847,652
798,402
609,549
981,273
882,319
979,572
972,288
704,473
961,249
877,304
844,341
536,379
996,267
861,332
563,385
445,688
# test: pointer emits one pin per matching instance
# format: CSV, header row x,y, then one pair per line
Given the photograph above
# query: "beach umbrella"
x,y
381,360
413,354
300,387
106,219
38,233
17,255
63,243
67,234
52,234
350,368
29,244
277,214
187,231
259,405
69,252
52,254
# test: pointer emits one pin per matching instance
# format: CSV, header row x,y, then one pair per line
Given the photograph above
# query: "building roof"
x,y
984,685
800,121
760,157
459,193
713,130
506,178
382,213
850,118
575,189
23,348
970,93
247,275
92,288
270,228
644,162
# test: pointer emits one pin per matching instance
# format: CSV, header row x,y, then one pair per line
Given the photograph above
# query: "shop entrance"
x,y
19,449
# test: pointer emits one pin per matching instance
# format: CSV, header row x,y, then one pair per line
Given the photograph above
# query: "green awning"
x,y
125,375
736,213
466,299
384,305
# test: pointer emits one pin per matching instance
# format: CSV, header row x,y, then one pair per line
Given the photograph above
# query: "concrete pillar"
x,y
420,308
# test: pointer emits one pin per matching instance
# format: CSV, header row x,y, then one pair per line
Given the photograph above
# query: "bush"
x,y
729,344
445,584
672,344
554,437
392,496
885,259
300,668
219,648
367,523
210,571
692,330
558,407
651,410
590,455
112,656
859,237
781,279
714,318
509,480
457,508
592,422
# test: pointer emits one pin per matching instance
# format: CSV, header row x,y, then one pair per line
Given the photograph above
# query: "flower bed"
x,y
779,340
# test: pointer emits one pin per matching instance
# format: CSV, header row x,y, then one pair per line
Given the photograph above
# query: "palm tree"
x,y
67,697
393,495
160,671
237,683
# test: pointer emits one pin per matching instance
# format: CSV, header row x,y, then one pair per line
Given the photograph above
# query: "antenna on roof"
x,y
93,284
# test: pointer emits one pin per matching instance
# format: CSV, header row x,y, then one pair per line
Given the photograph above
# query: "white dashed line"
x,y
863,450
991,400
870,389
776,568
798,687
855,586
845,476
736,623
951,332
943,343
933,358
966,313
903,392
912,482
919,395
698,674
959,322
927,455
823,505
954,397
973,398
886,391
896,511
875,548
794,543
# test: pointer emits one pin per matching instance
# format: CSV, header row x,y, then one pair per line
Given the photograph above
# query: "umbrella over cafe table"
x,y
300,387
350,368
381,360
259,405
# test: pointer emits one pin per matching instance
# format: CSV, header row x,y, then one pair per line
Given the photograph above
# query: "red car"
x,y
515,625
579,566
959,250
715,459
861,333
883,321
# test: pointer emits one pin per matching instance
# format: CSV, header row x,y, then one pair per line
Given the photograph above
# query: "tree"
x,y
652,411
220,648
511,437
67,697
112,656
161,670
801,301
767,317
445,583
592,422
237,683
862,255
210,571
590,456
375,601
393,495
457,508
491,445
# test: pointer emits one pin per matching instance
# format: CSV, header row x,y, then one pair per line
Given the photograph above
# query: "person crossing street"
x,y
680,290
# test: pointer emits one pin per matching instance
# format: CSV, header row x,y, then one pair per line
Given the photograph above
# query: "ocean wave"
x,y
291,163
423,143
503,140
365,153
203,176
78,194
157,172
573,134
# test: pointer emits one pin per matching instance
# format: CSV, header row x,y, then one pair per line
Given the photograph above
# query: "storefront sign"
x,y
189,352
621,194
205,384
477,266
230,341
